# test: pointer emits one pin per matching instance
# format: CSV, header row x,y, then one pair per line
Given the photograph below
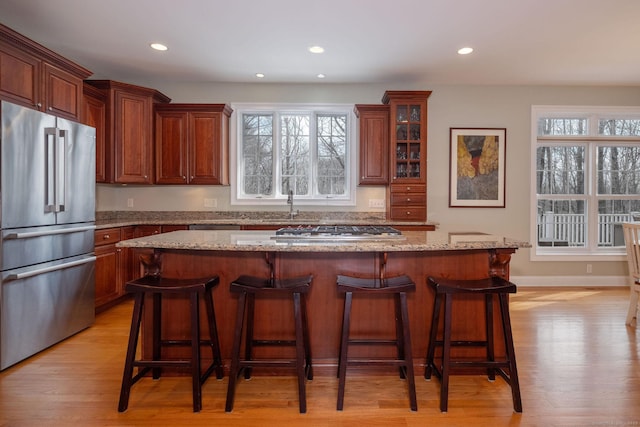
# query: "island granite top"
x,y
246,240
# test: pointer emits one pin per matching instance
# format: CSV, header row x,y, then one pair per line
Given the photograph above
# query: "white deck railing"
x,y
570,229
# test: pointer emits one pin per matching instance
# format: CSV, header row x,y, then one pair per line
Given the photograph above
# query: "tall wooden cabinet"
x,y
407,191
94,113
129,131
38,78
191,143
374,143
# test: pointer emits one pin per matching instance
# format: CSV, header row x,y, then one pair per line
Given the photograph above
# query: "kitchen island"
x,y
230,253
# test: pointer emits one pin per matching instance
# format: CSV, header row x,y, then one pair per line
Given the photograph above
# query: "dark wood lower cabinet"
x,y
116,266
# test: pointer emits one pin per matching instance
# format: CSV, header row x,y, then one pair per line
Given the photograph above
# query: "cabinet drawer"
x,y
408,188
410,199
107,236
408,213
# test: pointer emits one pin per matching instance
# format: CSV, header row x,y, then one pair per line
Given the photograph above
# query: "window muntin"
x,y
587,180
303,148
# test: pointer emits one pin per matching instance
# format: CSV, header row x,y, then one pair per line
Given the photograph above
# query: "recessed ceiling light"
x,y
260,75
316,49
158,46
465,50
321,76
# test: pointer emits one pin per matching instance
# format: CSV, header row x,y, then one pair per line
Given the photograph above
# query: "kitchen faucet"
x,y
292,214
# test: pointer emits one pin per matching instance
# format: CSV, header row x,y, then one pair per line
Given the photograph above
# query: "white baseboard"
x,y
577,281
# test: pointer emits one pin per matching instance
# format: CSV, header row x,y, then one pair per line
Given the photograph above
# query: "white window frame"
x,y
237,196
593,113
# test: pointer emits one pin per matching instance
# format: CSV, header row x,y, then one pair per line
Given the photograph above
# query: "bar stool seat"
x,y
445,289
157,286
398,287
248,287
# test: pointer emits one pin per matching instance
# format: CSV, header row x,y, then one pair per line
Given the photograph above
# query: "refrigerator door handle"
x,y
61,170
31,234
36,272
50,136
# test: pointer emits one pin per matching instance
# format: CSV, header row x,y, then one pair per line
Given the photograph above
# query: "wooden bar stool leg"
x,y
307,339
344,345
195,352
406,350
399,334
446,354
157,333
300,356
235,352
213,336
488,301
433,336
511,353
127,380
248,346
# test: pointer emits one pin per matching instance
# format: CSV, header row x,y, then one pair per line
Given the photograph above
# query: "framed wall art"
x,y
477,167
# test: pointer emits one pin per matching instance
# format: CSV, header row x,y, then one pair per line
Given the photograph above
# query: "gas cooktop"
x,y
338,232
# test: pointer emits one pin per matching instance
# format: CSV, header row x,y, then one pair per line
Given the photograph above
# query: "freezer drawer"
x,y
44,304
28,246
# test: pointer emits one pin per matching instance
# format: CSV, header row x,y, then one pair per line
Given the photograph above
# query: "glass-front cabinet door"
x,y
408,154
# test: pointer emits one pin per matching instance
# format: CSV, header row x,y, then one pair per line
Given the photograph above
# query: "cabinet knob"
x,y
408,213
408,188
146,176
39,104
106,236
408,199
184,178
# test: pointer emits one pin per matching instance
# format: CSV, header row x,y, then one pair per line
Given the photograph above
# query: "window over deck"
x,y
586,182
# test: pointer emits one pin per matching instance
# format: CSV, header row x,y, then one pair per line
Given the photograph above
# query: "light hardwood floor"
x,y
577,360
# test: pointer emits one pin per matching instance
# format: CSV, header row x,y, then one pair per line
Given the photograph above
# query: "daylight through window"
x,y
587,179
304,150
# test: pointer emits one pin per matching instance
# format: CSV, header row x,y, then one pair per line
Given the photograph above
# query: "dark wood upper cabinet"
x,y
374,143
129,131
38,78
407,192
192,144
94,113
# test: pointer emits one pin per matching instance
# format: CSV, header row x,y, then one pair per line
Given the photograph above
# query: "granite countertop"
x,y
126,218
237,240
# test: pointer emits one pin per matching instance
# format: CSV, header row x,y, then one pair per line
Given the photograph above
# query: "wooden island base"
x,y
325,305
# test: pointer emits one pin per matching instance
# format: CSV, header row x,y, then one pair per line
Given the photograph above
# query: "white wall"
x,y
449,106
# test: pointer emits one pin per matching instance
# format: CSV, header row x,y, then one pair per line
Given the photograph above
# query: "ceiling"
x,y
521,42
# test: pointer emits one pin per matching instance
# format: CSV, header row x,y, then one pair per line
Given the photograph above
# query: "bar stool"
x,y
398,287
445,289
248,287
157,286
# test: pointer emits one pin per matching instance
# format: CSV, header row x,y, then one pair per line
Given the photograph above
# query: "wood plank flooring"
x,y
577,360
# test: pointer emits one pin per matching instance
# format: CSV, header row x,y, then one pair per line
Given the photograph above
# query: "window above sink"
x,y
309,149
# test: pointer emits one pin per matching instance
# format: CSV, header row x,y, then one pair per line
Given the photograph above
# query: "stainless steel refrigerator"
x,y
47,196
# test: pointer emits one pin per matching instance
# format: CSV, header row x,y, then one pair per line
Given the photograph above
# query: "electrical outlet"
x,y
129,203
589,269
376,203
210,203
